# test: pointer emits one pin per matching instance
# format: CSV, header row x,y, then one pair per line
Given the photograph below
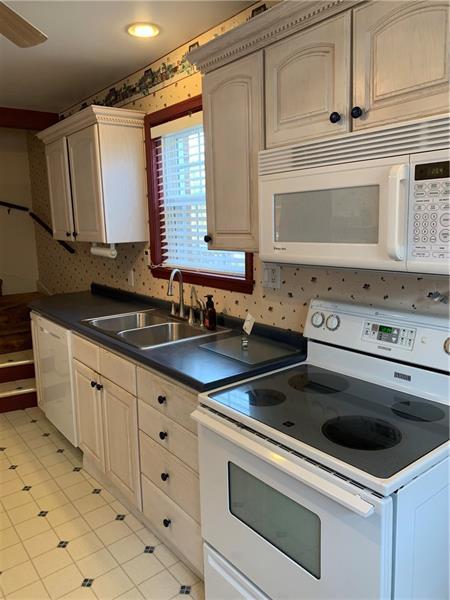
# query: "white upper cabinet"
x,y
233,121
96,172
86,180
400,61
308,83
59,189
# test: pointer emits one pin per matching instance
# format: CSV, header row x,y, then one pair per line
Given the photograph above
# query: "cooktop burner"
x,y
261,397
362,433
321,383
417,411
376,429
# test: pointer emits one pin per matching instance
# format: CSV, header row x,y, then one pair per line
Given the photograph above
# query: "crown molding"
x,y
89,116
283,19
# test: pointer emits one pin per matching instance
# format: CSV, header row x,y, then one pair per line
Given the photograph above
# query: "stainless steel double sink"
x,y
150,328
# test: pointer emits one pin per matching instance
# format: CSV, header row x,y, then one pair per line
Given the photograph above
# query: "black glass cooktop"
x,y
376,429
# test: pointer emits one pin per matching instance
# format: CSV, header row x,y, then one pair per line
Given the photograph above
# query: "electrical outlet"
x,y
272,276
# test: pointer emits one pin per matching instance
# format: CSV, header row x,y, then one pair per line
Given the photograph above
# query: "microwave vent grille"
x,y
410,138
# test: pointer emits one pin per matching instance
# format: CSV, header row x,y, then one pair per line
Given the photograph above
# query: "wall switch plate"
x,y
272,276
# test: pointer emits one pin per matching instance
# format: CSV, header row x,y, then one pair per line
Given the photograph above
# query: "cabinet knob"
x,y
166,522
162,435
99,386
335,117
67,233
161,399
164,476
356,112
207,238
93,383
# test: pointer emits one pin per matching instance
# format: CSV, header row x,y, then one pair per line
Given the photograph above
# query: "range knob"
x,y
447,346
333,322
317,319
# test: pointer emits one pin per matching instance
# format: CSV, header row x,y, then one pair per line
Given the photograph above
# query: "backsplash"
x,y
60,271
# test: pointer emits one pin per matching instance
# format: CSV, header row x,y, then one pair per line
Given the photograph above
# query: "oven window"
x,y
288,526
339,216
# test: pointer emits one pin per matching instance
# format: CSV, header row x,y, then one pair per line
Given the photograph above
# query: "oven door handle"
x,y
398,175
353,502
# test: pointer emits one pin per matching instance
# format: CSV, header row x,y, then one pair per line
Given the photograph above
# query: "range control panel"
x,y
389,334
429,223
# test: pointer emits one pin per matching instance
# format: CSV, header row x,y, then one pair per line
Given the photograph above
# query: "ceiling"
x,y
88,48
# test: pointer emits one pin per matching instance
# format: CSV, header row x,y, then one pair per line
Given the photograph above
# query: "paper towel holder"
x,y
107,251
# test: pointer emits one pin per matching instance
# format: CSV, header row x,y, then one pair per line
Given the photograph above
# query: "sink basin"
x,y
134,320
158,335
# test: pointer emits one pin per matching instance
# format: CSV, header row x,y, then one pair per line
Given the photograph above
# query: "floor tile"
x,y
112,584
52,459
31,466
111,532
5,521
62,582
166,556
8,538
69,479
32,527
100,516
198,591
44,450
132,522
11,487
127,548
24,512
19,449
184,575
160,587
149,538
16,500
89,502
97,564
61,515
38,477
12,556
18,577
84,545
142,567
60,468
54,500
52,561
44,489
80,593
35,591
79,490
133,594
72,529
8,475
41,543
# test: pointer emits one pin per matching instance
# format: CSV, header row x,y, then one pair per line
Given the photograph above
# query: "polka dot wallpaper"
x,y
60,271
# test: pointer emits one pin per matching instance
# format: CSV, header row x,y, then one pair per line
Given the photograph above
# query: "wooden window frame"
x,y
224,282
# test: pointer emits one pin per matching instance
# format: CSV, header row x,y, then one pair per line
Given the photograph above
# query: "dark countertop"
x,y
184,362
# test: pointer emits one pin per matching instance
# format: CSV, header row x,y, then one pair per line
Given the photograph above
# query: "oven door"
x,y
293,529
348,215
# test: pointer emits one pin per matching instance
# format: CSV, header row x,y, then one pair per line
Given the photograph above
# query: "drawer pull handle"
x,y
99,386
161,399
166,522
356,112
164,476
93,384
335,117
162,435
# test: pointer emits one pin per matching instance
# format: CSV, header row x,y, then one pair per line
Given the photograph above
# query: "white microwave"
x,y
385,213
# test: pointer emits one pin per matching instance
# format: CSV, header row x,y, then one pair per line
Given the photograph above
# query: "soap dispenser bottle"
x,y
210,313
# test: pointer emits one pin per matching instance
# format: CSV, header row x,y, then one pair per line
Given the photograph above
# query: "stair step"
x,y
17,388
14,359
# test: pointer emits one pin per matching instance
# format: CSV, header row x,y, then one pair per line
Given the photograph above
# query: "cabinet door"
x,y
233,122
121,445
88,402
308,79
59,189
400,60
86,180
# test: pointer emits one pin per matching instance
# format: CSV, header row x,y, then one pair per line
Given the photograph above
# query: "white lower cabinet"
x,y
121,440
88,402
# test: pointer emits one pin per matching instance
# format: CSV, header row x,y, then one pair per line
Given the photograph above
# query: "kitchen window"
x,y
177,202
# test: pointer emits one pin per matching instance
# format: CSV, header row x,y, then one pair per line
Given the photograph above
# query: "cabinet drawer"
x,y
86,352
119,370
178,440
182,531
171,400
171,476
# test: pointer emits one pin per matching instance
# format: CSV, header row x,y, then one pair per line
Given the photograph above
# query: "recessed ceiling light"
x,y
143,30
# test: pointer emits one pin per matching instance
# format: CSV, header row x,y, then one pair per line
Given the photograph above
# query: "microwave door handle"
x,y
398,175
347,499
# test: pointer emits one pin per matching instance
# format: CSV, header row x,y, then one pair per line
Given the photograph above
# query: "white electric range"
x,y
330,479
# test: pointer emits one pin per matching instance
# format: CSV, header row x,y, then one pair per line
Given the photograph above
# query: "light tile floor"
x,y
63,536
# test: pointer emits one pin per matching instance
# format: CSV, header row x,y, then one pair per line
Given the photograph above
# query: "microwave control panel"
x,y
429,222
389,334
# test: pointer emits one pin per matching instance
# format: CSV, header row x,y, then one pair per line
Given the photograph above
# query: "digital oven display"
x,y
437,170
385,329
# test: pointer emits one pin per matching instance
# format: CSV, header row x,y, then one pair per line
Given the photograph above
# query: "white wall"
x,y
18,259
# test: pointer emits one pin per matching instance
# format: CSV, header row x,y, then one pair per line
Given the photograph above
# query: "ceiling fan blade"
x,y
18,30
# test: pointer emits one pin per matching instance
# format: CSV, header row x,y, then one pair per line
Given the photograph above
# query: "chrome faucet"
x,y
170,292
